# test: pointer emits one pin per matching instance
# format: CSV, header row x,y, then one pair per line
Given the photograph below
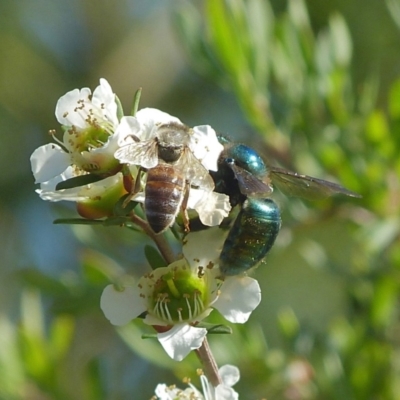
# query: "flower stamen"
x,y
186,297
172,287
179,311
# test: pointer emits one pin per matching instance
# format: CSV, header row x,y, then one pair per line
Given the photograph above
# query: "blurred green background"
x,y
315,85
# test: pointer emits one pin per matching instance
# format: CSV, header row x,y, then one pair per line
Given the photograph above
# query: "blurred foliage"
x,y
295,89
328,326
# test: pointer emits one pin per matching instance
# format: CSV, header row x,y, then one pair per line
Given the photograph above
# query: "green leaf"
x,y
153,257
377,127
226,34
121,209
77,181
44,282
99,269
219,329
111,221
188,22
78,221
298,13
81,300
61,334
260,23
136,100
384,304
288,323
394,10
120,110
149,336
394,100
115,221
340,38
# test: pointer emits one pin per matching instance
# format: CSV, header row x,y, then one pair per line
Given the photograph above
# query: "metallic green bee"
x,y
244,177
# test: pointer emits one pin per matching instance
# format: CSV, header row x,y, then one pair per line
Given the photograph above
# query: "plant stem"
x,y
209,364
159,240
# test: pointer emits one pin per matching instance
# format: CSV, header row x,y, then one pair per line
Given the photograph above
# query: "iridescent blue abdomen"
x,y
251,236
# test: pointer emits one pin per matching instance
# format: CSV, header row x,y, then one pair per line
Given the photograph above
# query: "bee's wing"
x,y
143,153
194,171
307,187
249,184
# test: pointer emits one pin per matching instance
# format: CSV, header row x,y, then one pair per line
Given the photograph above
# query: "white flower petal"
x,y
240,295
195,197
104,98
126,130
205,146
149,120
212,207
199,248
74,108
229,374
223,392
48,190
66,112
153,116
162,392
48,161
179,341
120,307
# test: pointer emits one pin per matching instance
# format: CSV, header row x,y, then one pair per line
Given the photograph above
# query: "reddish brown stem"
x,y
158,239
210,366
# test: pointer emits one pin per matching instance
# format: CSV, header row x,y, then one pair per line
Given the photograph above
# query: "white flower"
x,y
229,375
174,299
164,392
177,297
161,138
91,135
239,294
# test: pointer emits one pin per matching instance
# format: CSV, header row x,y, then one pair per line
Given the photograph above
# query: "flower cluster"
x,y
91,135
176,298
229,375
151,158
97,144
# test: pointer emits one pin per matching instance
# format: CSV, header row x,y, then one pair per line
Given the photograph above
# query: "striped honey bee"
x,y
171,170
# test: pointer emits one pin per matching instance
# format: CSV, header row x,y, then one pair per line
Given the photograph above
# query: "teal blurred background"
x,y
315,86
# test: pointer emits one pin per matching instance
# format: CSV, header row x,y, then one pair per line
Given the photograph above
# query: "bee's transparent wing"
x,y
249,184
307,187
194,171
139,153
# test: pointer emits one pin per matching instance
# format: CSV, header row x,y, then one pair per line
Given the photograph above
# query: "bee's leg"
x,y
135,188
184,208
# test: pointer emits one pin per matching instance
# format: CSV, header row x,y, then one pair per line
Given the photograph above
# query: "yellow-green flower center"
x,y
90,138
179,295
81,142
